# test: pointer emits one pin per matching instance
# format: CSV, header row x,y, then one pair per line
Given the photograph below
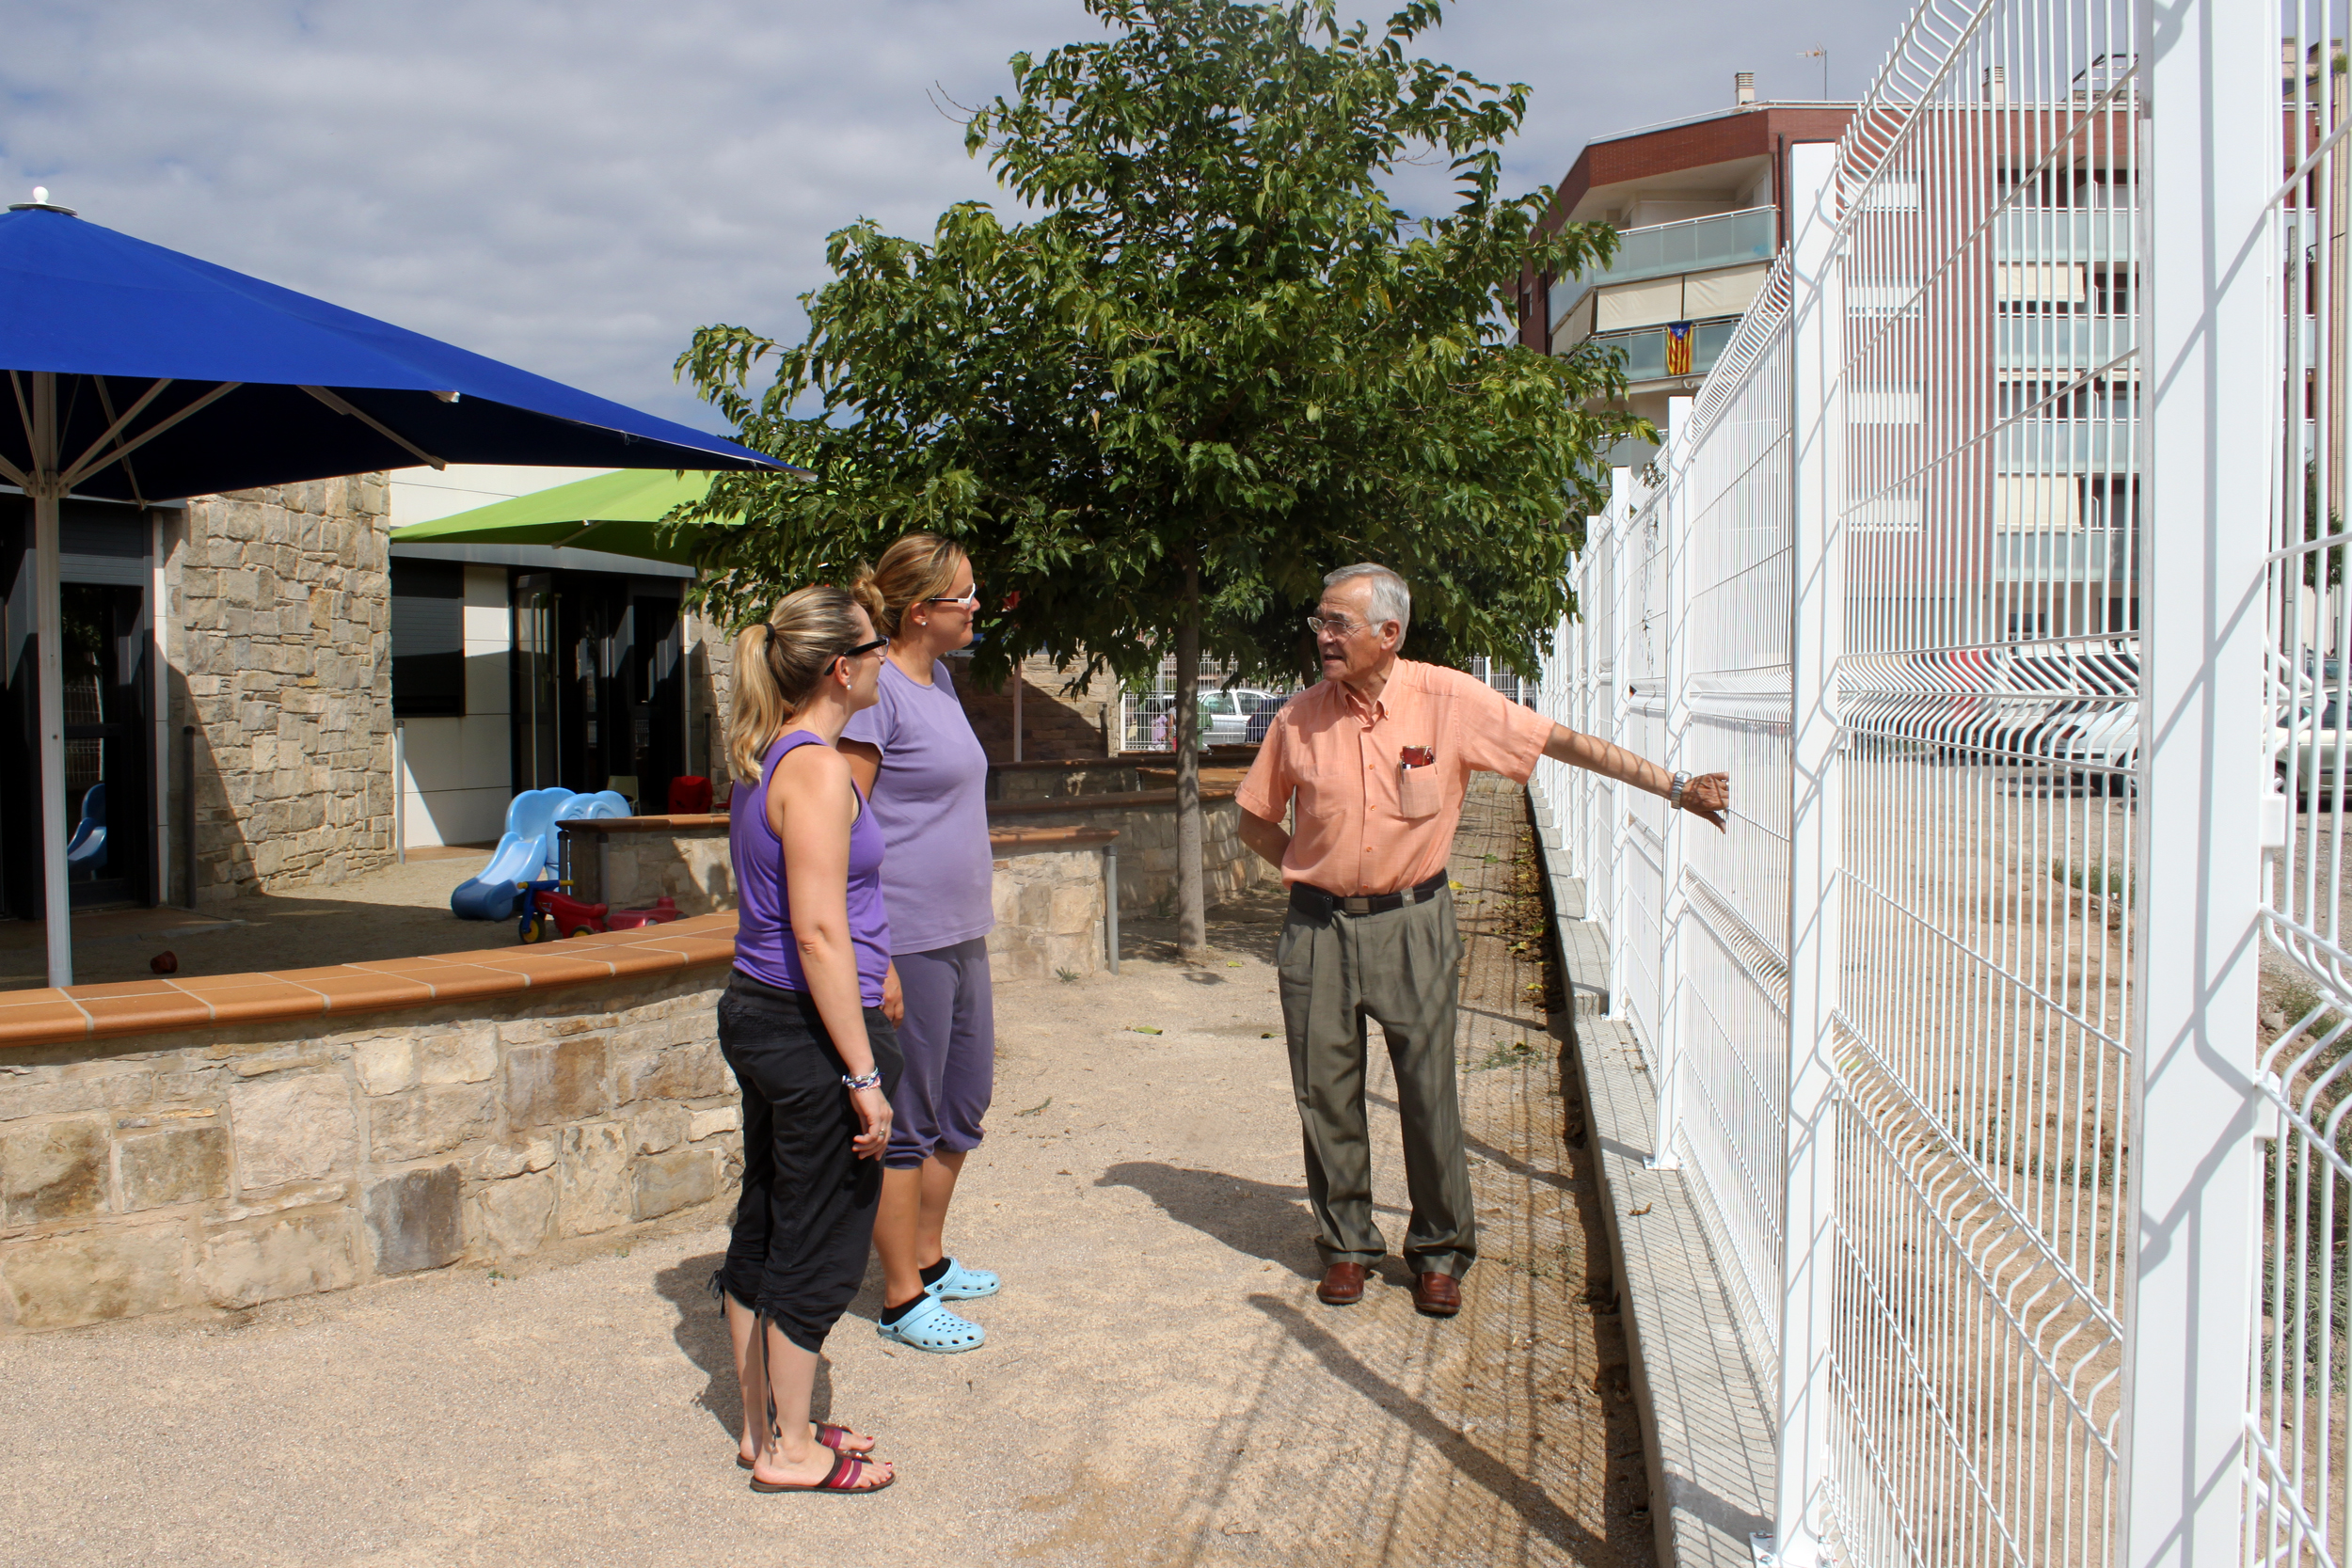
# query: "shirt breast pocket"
x,y
1418,791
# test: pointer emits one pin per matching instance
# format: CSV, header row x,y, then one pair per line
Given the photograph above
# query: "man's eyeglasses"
x,y
969,598
1337,626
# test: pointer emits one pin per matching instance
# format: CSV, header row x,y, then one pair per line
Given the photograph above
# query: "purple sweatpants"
x,y
948,1037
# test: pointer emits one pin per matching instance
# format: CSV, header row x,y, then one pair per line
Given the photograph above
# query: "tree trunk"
x,y
1192,926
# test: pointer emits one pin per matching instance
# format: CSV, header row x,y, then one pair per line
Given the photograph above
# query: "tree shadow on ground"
x,y
1523,1493
700,1333
1259,1218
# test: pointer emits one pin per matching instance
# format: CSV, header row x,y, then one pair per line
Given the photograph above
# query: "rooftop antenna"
x,y
1820,51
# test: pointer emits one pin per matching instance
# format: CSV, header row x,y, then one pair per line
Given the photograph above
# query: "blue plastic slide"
x,y
526,853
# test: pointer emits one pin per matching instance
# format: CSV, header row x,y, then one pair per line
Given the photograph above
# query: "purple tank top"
x,y
764,948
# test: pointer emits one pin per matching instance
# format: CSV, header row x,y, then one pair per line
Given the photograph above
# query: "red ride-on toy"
x,y
554,914
662,912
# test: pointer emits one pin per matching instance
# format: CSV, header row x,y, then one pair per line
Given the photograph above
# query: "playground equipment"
x,y
527,852
554,914
86,850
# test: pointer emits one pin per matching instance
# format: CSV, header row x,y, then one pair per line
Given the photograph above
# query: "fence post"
x,y
1620,839
2213,158
1670,899
1815,828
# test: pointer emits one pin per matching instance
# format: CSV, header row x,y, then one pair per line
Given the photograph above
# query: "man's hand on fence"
x,y
1708,796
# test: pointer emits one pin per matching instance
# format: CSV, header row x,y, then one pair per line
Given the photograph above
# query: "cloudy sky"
x,y
574,185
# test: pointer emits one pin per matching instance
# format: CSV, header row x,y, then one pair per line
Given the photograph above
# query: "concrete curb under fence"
x,y
1707,1430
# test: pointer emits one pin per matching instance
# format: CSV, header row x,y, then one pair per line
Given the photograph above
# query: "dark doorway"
x,y
107,787
599,696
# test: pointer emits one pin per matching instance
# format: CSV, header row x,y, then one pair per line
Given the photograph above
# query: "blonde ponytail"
x,y
778,663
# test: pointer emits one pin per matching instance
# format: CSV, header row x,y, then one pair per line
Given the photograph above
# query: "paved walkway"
x,y
1161,1387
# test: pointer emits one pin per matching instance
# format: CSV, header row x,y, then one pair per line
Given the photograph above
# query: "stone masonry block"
x,y
561,1081
295,1129
54,1170
469,1055
677,1180
414,1221
387,1064
281,1256
592,1179
683,1072
661,1125
429,1120
705,1124
187,1163
90,1276
511,1218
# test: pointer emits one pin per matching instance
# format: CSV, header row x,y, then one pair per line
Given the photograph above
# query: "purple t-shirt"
x,y
931,801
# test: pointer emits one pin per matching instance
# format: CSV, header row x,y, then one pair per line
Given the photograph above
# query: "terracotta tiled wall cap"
x,y
148,1006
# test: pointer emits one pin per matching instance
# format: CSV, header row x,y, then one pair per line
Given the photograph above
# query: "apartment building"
x,y
1701,210
2033,328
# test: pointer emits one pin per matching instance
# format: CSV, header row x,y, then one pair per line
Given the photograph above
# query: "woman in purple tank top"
x,y
800,1025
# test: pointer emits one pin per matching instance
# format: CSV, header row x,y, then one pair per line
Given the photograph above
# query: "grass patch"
x,y
1515,1053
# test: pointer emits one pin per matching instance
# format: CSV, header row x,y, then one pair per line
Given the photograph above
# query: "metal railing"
x,y
1748,235
2299,1406
1952,1033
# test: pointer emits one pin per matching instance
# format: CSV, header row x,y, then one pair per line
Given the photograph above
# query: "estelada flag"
x,y
1678,348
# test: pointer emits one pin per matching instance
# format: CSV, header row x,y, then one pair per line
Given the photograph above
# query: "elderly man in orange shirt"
x,y
1378,759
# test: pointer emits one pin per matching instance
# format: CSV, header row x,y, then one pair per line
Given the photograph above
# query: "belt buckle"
x,y
1358,905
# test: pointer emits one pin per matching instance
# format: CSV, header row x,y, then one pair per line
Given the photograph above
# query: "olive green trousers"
x,y
1400,969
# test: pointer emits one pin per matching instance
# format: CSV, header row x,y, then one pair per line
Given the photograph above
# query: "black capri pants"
x,y
806,1216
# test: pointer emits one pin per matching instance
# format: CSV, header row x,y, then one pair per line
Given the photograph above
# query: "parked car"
x,y
1225,714
1262,719
2307,756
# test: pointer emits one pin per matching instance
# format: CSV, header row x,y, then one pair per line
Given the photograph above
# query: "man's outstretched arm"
x,y
1708,796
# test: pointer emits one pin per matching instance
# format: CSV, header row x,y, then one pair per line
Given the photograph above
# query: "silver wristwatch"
x,y
1673,795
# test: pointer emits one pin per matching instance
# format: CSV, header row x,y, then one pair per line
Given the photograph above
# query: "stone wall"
x,y
1052,781
1146,823
279,634
228,1166
1049,906
629,870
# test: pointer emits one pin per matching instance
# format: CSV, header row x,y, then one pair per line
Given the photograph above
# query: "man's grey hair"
x,y
1392,600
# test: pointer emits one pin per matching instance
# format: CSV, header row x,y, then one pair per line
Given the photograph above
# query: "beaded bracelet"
x,y
868,1081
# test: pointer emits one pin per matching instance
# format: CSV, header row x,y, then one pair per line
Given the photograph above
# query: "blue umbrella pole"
x,y
48,488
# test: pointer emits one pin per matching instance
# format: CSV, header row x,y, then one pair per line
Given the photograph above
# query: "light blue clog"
x,y
961,1284
930,1326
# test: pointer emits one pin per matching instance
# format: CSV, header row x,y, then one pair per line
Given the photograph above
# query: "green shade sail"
x,y
613,513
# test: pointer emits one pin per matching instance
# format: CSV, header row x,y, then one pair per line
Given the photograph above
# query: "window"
x,y
428,638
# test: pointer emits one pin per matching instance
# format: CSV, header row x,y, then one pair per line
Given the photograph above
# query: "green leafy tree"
x,y
1217,361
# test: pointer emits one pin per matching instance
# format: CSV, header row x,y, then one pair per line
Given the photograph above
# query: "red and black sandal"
x,y
831,1433
841,1481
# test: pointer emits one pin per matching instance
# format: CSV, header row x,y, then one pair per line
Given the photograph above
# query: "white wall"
x,y
457,783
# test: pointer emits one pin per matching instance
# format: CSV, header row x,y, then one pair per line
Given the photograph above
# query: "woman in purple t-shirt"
x,y
914,754
800,1025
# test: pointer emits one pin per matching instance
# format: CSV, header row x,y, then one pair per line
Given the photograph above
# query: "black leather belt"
x,y
1311,900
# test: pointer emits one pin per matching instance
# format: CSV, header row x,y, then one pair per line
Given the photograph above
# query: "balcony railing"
x,y
1645,347
1690,245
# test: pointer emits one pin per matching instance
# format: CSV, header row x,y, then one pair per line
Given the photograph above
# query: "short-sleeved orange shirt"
x,y
1341,761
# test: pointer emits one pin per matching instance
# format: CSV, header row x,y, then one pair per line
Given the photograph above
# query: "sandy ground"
x,y
1160,1386
399,911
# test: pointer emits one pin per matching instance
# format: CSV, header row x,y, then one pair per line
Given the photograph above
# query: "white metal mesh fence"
x,y
1922,454
2299,1409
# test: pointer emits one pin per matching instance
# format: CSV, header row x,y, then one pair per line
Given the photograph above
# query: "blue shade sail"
x,y
317,391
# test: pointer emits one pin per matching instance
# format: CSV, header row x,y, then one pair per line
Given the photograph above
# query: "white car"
x,y
2308,755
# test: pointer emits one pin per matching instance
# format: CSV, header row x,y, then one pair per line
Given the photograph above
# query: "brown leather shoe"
x,y
1343,1285
1436,1295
